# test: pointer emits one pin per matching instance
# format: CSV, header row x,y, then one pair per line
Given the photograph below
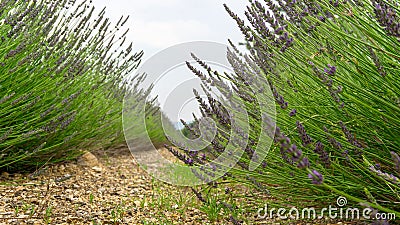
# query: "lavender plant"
x,y
333,69
63,78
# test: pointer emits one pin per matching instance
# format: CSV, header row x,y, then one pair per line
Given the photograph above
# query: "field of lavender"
x,y
64,74
331,68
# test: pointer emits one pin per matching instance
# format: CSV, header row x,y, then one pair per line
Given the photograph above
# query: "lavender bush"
x,y
63,78
333,69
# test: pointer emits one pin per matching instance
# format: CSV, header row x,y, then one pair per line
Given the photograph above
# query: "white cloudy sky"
x,y
158,24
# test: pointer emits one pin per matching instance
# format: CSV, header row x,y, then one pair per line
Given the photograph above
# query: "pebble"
x,y
5,175
88,160
97,169
137,203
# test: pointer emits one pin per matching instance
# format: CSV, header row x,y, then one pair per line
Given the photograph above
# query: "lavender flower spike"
x,y
396,160
386,176
331,70
303,134
316,177
323,155
304,163
293,113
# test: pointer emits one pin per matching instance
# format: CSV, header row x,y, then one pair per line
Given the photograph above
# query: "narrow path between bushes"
x,y
108,188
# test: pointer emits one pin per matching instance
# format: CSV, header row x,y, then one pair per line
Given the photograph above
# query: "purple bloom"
x,y
213,167
279,98
377,62
264,164
396,160
303,134
346,155
316,177
296,153
333,141
189,162
183,157
304,163
323,155
334,3
331,70
389,177
350,137
387,17
293,113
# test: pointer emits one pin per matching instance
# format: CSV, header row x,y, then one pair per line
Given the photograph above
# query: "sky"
x,y
158,24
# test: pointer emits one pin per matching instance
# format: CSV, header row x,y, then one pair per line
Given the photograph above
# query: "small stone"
x,y
97,169
88,160
5,175
35,201
61,168
137,203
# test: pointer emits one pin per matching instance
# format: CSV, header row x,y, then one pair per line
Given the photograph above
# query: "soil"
x,y
106,187
99,188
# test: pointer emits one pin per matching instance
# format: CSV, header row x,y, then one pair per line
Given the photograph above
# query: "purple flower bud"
x,y
264,164
323,155
316,177
386,16
293,113
296,153
304,163
189,162
396,160
350,137
213,167
331,70
303,134
389,177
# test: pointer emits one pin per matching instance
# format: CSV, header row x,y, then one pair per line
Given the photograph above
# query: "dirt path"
x,y
106,189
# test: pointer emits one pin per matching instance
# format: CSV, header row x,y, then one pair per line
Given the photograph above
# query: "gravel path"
x,y
103,189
